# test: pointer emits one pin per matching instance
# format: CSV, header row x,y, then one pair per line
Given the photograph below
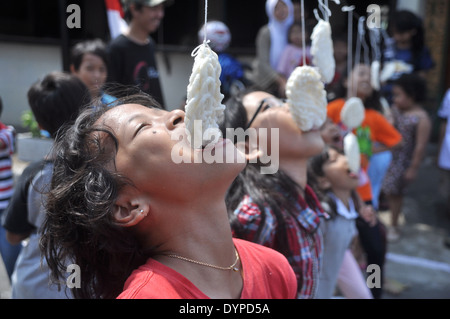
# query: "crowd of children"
x,y
110,199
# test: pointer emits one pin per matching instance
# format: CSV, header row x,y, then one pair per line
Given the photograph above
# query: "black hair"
x,y
1,106
79,226
96,47
315,170
57,99
128,16
307,31
371,102
403,21
413,85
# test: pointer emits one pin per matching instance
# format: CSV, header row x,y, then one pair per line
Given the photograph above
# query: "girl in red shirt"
x,y
138,224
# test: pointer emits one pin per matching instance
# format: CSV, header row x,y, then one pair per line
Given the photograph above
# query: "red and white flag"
x,y
116,23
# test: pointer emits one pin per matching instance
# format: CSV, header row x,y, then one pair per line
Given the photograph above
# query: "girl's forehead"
x,y
121,114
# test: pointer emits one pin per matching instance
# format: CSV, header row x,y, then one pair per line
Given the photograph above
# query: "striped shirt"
x,y
6,174
303,234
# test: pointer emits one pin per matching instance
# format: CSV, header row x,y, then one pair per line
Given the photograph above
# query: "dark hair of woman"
x,y
277,191
96,47
315,170
414,86
371,102
79,226
404,21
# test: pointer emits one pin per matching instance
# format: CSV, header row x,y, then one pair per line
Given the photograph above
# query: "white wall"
x,y
20,66
174,84
416,6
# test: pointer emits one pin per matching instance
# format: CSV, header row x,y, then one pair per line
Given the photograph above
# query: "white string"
x,y
374,36
359,40
326,12
303,32
349,9
205,42
362,37
206,20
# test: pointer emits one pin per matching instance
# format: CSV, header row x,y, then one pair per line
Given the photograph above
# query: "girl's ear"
x,y
72,69
130,211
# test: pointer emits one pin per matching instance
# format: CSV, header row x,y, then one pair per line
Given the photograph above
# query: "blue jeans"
x,y
8,252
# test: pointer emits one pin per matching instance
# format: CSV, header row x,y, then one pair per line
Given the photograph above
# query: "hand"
x,y
409,175
369,215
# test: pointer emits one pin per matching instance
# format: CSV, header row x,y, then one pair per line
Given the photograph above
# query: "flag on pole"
x,y
116,23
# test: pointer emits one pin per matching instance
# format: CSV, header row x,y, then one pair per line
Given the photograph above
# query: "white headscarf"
x,y
278,30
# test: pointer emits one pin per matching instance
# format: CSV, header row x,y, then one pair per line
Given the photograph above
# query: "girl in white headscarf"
x,y
270,42
281,17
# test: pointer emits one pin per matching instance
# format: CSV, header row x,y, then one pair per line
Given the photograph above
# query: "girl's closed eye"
x,y
140,127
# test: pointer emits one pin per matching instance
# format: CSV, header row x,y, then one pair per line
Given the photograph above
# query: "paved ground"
x,y
419,260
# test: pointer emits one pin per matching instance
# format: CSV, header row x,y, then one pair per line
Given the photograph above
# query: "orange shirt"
x,y
381,131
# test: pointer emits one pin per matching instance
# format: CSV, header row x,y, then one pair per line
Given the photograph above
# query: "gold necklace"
x,y
232,267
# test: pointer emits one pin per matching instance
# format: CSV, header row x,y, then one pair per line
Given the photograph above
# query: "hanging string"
x,y
349,9
303,32
206,20
362,35
375,38
361,40
326,12
205,42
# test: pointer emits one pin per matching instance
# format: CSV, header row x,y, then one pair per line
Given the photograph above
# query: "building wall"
x,y
21,65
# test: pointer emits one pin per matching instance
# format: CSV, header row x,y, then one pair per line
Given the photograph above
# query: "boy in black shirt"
x,y
132,54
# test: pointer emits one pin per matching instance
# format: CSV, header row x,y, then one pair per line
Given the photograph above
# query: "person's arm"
x,y
6,139
384,133
443,115
423,132
442,128
15,216
266,73
367,212
14,238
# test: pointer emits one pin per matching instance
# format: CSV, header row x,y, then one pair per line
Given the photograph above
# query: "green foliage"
x,y
29,122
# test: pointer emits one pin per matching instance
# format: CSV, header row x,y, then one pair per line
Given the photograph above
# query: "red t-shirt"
x,y
267,275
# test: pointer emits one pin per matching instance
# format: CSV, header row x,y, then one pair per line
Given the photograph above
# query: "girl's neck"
x,y
296,170
194,230
201,234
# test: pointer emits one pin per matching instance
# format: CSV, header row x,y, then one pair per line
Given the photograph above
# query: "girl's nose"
x,y
174,118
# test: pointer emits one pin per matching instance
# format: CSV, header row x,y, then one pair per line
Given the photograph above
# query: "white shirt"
x,y
348,213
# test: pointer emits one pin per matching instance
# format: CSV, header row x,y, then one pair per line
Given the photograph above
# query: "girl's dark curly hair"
x,y
79,227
